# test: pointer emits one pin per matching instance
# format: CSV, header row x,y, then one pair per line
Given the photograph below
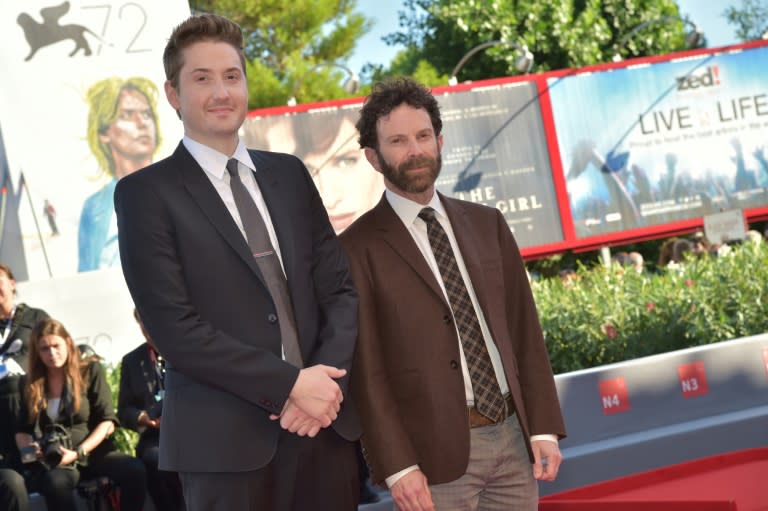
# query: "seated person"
x,y
16,323
65,421
139,408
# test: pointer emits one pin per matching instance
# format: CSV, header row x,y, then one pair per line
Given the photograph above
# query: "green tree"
x,y
560,33
751,19
291,46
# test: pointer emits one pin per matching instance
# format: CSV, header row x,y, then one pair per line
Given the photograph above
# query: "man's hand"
x,y
145,421
411,492
293,419
317,394
547,459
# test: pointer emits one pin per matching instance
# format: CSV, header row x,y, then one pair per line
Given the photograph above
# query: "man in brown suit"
x,y
456,393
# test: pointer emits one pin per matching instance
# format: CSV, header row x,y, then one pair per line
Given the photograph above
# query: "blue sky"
x,y
707,14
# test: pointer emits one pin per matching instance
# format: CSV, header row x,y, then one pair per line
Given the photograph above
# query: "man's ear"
x,y
172,95
373,158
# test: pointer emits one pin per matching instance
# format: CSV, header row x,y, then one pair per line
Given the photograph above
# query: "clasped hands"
x,y
314,401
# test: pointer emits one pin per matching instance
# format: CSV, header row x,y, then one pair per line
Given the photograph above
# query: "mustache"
x,y
417,161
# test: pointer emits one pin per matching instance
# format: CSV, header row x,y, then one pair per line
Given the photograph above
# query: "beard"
x,y
406,181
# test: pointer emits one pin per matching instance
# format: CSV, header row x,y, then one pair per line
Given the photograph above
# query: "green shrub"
x,y
124,438
612,315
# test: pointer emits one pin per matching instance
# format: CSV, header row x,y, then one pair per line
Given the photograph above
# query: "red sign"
x,y
614,396
693,379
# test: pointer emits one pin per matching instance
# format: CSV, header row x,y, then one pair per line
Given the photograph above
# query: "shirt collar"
x,y
408,210
214,162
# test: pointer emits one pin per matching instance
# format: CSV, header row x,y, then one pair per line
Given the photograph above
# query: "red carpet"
x,y
736,481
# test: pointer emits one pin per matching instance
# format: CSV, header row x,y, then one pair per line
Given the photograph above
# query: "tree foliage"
x,y
560,33
751,19
291,46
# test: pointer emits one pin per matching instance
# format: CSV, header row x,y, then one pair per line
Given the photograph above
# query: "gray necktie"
x,y
266,259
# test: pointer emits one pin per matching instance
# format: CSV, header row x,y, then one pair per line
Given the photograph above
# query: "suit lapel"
x,y
396,235
209,201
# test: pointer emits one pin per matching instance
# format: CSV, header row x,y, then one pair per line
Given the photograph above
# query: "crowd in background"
x,y
57,417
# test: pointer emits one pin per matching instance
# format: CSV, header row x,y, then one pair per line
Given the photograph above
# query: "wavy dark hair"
x,y
388,95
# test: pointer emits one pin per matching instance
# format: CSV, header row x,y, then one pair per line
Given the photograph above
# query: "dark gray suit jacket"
x,y
201,296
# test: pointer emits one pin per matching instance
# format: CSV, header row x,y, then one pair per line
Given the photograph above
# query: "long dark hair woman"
x,y
65,422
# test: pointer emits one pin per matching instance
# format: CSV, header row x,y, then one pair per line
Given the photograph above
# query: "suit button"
x,y
447,319
454,364
272,318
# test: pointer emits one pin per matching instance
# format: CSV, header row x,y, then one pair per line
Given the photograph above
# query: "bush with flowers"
x,y
604,315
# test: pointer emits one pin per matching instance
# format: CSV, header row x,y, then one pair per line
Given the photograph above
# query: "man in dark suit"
x,y
239,279
139,407
456,393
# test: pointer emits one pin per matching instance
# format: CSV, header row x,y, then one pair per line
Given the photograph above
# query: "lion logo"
x,y
40,35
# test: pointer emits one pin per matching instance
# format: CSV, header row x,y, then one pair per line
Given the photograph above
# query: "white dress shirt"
x,y
214,164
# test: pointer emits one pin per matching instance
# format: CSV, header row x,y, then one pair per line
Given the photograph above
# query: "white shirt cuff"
x,y
391,480
548,438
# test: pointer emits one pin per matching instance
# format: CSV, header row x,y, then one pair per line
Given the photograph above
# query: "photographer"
x,y
139,407
16,322
65,421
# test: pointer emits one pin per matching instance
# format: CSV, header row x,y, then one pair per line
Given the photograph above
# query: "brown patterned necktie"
x,y
266,259
488,398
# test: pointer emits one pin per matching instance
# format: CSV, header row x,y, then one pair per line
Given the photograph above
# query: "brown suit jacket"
x,y
406,376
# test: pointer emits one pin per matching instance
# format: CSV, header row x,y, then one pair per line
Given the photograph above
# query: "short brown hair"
x,y
197,28
388,95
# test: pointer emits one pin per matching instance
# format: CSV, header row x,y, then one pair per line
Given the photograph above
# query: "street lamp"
x,y
350,86
692,38
523,63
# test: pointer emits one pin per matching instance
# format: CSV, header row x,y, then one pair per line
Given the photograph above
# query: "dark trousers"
x,y
13,491
318,473
164,487
56,484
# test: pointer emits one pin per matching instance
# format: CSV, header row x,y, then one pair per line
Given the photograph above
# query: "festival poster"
x,y
494,153
651,144
326,141
81,105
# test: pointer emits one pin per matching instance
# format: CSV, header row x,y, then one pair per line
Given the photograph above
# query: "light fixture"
x,y
523,63
350,85
692,38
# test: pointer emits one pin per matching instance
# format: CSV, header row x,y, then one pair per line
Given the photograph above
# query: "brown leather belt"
x,y
477,419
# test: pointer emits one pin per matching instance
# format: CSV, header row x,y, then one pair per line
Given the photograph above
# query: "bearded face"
x,y
414,175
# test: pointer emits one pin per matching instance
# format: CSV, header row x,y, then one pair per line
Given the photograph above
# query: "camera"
x,y
55,437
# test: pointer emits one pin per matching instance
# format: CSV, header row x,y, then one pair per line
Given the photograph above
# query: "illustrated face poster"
x,y
81,105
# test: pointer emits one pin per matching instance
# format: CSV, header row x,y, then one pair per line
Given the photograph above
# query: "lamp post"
x,y
692,38
350,86
524,62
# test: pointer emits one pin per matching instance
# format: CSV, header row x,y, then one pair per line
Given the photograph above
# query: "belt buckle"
x,y
481,420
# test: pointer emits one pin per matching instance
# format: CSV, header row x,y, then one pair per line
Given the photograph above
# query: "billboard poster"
x,y
81,105
494,153
325,139
651,144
